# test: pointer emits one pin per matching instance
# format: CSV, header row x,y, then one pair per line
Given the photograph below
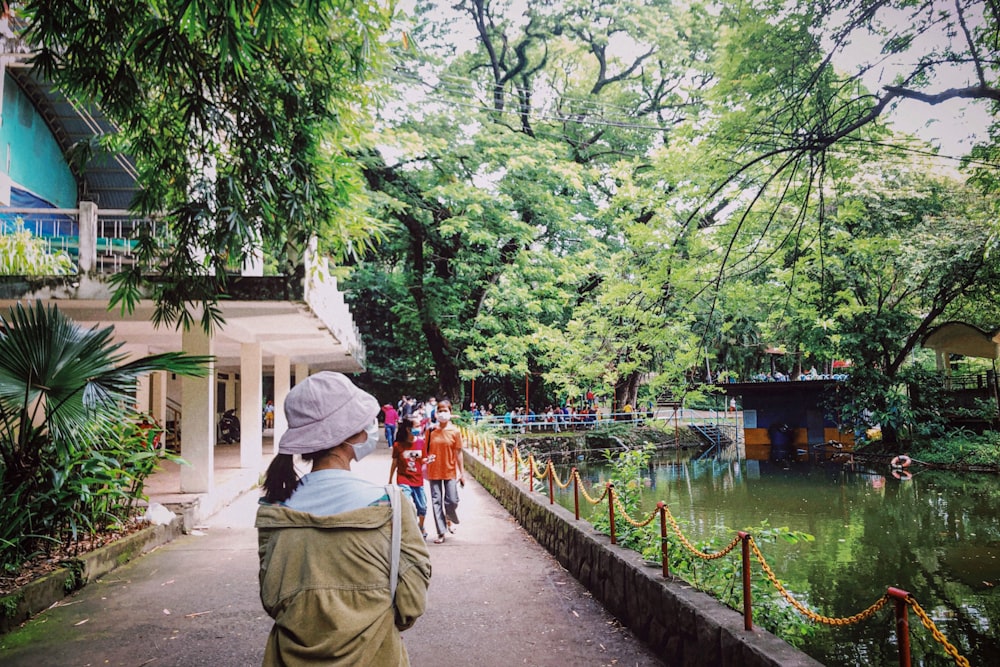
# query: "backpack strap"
x,y
395,500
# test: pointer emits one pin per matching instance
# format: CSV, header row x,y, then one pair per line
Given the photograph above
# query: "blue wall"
x,y
36,162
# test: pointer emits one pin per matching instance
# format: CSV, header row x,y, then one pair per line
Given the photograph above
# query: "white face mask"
x,y
444,416
363,449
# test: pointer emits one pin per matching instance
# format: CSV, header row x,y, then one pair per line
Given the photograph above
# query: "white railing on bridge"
x,y
658,417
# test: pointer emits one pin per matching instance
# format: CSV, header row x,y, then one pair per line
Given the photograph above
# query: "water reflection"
x,y
936,536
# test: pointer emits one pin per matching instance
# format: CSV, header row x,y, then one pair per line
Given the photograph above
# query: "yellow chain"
x,y
940,638
555,478
517,453
691,547
622,512
545,470
583,490
808,613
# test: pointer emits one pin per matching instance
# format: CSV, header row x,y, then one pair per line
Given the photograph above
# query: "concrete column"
x,y
132,352
251,402
232,395
282,382
301,372
142,393
88,237
158,397
198,415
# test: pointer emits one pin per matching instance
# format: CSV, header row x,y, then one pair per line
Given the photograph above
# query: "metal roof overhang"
x,y
107,179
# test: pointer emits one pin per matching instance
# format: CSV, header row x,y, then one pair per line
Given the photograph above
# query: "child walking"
x,y
408,466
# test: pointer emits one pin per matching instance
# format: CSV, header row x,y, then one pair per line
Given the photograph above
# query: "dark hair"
x,y
405,431
281,480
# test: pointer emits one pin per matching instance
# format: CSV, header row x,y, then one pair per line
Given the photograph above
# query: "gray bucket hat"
x,y
323,411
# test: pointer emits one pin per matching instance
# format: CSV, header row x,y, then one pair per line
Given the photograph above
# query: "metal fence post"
x,y
611,510
552,473
902,624
662,509
747,601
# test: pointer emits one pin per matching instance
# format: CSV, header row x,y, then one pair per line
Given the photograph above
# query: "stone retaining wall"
x,y
683,626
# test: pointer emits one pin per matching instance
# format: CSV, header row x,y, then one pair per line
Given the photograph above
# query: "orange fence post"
x,y
503,457
662,508
902,625
611,511
552,497
747,609
576,493
517,472
531,473
493,454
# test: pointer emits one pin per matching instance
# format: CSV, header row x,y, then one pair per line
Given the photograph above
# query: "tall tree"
x,y
510,154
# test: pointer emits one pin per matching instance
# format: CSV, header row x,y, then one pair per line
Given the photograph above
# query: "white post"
x,y
251,409
301,372
135,351
282,380
158,397
198,413
88,236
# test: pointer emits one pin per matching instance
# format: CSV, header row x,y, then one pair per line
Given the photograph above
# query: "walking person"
x,y
343,568
391,419
445,470
407,465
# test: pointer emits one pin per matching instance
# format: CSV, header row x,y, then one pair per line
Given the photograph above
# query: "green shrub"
x,y
72,460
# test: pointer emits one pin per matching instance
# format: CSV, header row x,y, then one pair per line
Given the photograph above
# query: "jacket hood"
x,y
279,516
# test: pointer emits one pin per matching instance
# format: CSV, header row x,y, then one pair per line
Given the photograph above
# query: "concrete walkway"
x,y
496,599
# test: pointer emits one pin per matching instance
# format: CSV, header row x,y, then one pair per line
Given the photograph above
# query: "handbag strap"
x,y
397,529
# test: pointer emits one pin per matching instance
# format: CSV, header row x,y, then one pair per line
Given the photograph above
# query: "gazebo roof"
x,y
965,339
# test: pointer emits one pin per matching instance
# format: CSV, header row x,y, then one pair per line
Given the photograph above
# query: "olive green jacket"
x,y
325,582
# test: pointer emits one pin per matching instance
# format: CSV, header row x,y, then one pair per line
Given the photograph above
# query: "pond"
x,y
936,536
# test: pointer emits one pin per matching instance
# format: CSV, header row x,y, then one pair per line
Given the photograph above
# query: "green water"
x,y
936,536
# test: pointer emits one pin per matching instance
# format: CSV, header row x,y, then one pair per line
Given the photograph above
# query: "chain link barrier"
x,y
861,616
805,611
630,520
938,636
555,477
693,549
534,463
583,490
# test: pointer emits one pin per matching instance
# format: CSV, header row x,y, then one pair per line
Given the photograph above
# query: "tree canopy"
x,y
239,116
564,195
646,188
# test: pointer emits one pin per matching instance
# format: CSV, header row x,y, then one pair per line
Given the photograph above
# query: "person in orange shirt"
x,y
445,470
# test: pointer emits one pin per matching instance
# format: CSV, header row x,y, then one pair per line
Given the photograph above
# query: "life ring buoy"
x,y
901,461
902,475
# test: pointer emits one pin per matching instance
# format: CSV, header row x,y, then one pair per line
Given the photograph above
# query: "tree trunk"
x,y
626,391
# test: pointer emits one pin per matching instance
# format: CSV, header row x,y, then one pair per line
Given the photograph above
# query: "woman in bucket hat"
x,y
326,541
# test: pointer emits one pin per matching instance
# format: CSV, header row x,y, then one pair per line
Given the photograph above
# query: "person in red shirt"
x,y
391,419
445,470
408,466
